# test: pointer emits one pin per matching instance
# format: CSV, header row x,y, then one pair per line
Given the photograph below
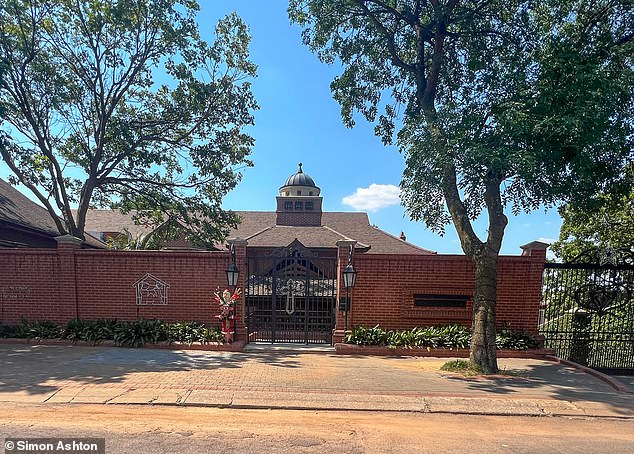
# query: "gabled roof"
x,y
19,210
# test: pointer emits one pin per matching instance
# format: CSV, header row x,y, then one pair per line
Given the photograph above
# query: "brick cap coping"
x,y
613,382
237,346
375,350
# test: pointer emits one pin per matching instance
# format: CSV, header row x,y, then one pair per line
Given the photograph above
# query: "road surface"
x,y
169,429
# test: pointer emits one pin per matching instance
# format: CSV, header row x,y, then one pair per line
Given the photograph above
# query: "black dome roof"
x,y
300,179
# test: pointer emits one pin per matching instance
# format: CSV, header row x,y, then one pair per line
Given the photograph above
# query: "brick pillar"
x,y
343,250
535,249
67,245
533,282
240,247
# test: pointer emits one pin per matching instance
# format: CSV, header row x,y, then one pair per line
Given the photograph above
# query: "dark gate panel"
x,y
290,296
587,314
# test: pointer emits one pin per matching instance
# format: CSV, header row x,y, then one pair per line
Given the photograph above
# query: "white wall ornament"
x,y
151,291
15,292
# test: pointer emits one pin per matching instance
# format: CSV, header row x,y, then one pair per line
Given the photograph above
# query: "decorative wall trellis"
x,y
291,296
587,314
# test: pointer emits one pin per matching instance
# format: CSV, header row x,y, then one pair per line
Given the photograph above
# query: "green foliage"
x,y
124,334
139,333
495,105
92,331
535,98
588,232
462,367
43,330
446,336
515,340
127,94
30,330
190,332
363,335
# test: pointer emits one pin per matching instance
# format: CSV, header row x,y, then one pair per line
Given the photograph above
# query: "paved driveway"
x,y
87,374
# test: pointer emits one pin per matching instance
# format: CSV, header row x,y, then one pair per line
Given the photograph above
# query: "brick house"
x,y
24,223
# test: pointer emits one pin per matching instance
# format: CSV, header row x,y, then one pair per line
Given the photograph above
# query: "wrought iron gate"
x,y
587,314
290,296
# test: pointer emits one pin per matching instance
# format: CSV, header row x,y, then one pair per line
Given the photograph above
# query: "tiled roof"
x,y
18,209
100,221
311,237
259,229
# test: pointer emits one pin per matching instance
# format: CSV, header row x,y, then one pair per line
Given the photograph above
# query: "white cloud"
x,y
374,197
546,240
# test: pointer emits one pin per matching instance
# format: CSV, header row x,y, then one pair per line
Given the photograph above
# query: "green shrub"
x,y
31,330
190,332
125,334
140,332
515,340
43,330
14,331
93,331
445,336
363,335
462,366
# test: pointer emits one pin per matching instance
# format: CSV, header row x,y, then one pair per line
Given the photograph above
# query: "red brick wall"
x,y
62,284
386,284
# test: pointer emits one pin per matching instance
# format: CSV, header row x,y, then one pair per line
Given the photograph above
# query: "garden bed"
x,y
383,350
237,346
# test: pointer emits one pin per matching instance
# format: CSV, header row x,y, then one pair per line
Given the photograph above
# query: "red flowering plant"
x,y
226,300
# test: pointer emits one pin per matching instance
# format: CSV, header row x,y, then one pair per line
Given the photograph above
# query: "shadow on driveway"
x,y
39,370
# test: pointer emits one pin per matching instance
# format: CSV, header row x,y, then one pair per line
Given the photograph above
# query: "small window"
x,y
308,206
432,300
299,192
310,192
288,206
299,206
288,193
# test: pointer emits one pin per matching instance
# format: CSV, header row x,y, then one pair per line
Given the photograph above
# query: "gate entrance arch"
x,y
290,296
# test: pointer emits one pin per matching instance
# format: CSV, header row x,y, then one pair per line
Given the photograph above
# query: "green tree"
x,y
495,104
603,232
121,103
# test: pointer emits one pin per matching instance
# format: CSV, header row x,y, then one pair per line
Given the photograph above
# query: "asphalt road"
x,y
153,429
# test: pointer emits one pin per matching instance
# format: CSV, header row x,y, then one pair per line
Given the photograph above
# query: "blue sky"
x,y
298,121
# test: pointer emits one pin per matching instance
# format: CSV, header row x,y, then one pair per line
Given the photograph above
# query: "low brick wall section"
x,y
63,284
386,285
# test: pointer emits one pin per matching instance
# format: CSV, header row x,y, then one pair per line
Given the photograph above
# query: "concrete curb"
x,y
298,406
613,382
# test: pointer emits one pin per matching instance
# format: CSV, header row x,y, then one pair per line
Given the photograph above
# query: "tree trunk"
x,y
483,353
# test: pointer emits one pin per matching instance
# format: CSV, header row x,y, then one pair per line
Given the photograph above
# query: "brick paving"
x,y
66,374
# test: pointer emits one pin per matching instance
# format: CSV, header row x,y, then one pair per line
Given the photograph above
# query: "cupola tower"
x,y
299,202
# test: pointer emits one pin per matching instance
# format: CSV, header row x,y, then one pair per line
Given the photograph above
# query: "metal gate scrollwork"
x,y
290,296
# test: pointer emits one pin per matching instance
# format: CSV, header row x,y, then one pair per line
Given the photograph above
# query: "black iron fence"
x,y
587,314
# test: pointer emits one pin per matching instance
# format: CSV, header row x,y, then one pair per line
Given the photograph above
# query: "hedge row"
x,y
124,334
447,336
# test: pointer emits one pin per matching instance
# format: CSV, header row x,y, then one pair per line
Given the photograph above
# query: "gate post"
x,y
240,248
580,344
343,249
